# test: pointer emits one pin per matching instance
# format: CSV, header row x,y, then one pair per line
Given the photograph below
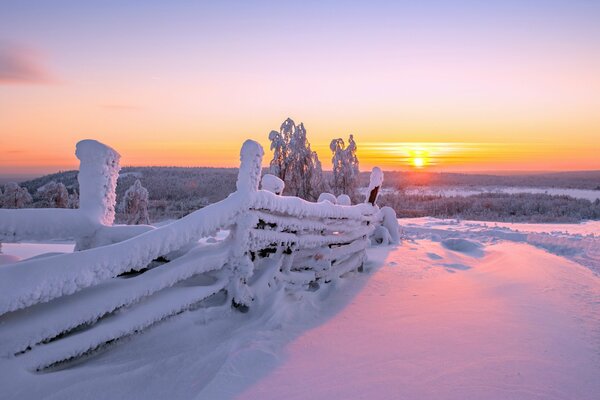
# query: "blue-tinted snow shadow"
x,y
464,246
201,355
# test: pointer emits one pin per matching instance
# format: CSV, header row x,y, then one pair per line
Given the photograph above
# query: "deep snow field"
x,y
458,310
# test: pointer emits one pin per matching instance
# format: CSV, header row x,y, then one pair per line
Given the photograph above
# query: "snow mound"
x,y
463,246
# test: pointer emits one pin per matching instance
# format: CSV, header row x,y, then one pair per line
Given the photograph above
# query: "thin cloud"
x,y
22,65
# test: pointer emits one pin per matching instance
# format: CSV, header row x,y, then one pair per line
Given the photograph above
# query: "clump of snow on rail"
x,y
272,184
327,197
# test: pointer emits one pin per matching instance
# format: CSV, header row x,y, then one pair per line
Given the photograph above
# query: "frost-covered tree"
x,y
294,162
135,204
73,200
345,167
54,195
14,196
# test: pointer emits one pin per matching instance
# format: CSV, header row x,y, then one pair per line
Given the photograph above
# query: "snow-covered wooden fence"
x,y
124,279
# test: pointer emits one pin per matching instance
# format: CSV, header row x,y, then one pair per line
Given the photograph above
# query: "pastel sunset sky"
x,y
454,85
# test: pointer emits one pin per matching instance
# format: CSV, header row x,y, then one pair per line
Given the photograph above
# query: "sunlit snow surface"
x,y
459,310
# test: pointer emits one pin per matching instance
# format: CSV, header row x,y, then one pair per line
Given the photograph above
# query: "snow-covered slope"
x,y
457,311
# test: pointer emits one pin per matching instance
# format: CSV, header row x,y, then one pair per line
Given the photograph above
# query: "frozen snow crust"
x,y
126,278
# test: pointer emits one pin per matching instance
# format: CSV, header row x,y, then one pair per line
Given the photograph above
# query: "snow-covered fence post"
x,y
98,174
251,156
375,183
248,180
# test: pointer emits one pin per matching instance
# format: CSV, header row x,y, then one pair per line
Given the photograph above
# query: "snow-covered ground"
x,y
459,310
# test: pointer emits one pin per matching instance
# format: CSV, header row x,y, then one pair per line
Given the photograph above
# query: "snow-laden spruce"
x,y
14,196
135,204
345,166
54,195
294,162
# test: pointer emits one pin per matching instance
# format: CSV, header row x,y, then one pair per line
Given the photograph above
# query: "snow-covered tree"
x,y
135,204
345,167
294,162
54,195
73,200
14,196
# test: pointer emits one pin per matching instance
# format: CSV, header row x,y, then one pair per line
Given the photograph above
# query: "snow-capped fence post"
x,y
375,183
98,174
251,155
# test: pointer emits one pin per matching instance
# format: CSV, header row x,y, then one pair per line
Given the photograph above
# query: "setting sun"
x,y
418,162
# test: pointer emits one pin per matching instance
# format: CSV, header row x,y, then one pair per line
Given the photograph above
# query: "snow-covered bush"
x,y
390,223
327,197
14,196
54,195
73,200
294,162
135,204
272,183
345,166
381,236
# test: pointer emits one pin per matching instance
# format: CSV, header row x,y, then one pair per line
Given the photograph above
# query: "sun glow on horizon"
x,y
471,156
418,162
418,158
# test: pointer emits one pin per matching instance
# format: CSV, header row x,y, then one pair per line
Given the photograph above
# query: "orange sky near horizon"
x,y
453,86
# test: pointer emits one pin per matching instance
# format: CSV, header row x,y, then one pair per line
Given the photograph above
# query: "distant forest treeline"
x,y
177,191
589,180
